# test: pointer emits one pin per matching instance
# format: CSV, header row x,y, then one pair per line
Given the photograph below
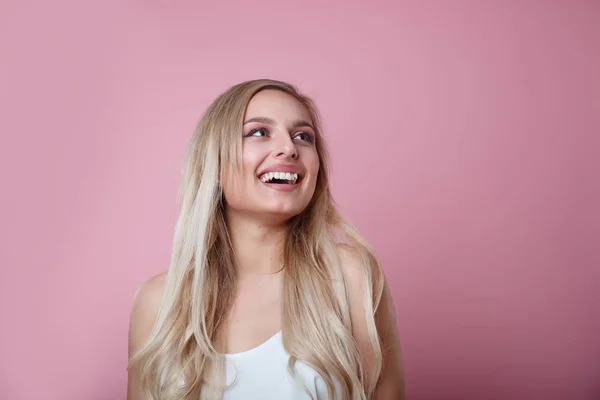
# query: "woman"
x,y
270,294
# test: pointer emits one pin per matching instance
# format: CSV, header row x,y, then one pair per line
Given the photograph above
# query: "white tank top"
x,y
262,373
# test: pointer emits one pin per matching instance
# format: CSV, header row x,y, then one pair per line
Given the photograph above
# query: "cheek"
x,y
252,155
312,163
234,185
230,190
238,188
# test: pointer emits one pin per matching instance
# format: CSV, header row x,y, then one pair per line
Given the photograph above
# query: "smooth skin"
x,y
277,130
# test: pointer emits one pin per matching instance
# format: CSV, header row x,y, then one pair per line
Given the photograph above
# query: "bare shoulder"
x,y
352,266
391,381
144,309
355,279
355,274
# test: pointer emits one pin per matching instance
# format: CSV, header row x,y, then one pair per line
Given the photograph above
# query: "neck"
x,y
258,246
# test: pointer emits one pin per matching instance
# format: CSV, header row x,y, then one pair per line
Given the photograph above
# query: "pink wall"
x,y
465,138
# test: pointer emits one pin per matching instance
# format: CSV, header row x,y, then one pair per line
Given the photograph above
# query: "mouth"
x,y
281,178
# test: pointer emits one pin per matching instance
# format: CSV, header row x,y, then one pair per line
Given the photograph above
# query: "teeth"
x,y
269,176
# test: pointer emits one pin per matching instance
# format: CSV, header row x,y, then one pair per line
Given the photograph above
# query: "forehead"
x,y
277,105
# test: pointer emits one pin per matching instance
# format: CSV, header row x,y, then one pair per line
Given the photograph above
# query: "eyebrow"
x,y
269,121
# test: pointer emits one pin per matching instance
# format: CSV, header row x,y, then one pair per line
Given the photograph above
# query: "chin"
x,y
285,211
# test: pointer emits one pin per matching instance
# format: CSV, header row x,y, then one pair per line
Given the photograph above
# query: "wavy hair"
x,y
179,359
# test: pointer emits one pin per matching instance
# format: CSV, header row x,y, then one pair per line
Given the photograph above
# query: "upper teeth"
x,y
279,175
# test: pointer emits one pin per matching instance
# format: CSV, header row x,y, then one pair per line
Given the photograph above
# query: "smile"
x,y
282,178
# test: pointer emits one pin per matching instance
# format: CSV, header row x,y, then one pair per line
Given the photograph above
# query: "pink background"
x,y
465,140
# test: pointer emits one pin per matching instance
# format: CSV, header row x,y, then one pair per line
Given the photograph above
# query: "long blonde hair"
x,y
179,359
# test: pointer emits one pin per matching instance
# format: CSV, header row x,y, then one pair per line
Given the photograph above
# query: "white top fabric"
x,y
262,373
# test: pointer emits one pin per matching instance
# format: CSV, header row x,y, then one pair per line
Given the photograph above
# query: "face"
x,y
279,159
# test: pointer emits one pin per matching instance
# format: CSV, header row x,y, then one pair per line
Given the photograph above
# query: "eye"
x,y
307,137
257,132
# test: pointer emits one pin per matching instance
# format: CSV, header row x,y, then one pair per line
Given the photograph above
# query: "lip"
x,y
282,187
292,169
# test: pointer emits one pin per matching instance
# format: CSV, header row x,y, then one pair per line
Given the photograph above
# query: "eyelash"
x,y
309,136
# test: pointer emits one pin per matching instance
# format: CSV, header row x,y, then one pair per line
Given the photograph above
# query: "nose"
x,y
285,148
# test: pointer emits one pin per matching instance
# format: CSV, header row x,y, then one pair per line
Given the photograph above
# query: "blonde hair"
x,y
179,359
